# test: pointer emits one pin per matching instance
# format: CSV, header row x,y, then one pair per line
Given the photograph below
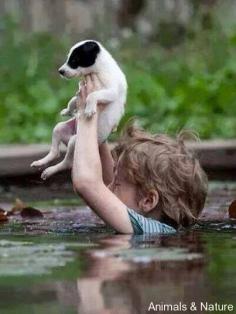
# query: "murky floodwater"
x,y
69,262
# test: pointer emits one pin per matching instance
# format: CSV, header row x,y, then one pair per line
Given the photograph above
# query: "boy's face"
x,y
127,192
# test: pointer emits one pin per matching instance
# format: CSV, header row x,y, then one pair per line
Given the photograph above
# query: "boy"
x,y
157,185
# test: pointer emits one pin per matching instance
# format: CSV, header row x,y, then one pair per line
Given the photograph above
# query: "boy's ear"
x,y
149,201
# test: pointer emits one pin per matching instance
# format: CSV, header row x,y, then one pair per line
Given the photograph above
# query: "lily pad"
x,y
147,255
28,258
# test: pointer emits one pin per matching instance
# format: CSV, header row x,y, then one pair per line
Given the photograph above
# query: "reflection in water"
x,y
114,274
115,285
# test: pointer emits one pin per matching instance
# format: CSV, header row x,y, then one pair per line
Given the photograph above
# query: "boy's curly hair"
x,y
157,161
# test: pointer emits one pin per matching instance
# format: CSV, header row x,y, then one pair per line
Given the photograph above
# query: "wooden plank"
x,y
213,155
216,154
16,159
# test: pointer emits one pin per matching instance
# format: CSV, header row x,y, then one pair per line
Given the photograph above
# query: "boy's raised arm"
x,y
87,172
107,163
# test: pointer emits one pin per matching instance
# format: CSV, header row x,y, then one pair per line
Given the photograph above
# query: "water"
x,y
101,273
69,262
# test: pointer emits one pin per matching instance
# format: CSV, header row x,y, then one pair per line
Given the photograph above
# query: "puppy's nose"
x,y
61,71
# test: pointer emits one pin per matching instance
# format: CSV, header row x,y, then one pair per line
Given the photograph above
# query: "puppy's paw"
x,y
46,174
65,112
90,111
37,164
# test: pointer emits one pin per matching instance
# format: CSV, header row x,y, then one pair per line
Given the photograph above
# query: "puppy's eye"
x,y
73,61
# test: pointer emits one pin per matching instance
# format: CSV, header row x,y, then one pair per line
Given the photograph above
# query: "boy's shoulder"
x,y
142,224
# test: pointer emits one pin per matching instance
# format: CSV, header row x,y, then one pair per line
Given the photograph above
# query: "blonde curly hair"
x,y
157,161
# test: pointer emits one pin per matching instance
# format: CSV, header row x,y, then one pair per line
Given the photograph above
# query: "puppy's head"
x,y
81,58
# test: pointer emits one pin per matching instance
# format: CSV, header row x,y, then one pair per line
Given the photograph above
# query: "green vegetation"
x,y
189,86
31,92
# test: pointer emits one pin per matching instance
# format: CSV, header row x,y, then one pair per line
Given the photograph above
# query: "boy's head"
x,y
159,177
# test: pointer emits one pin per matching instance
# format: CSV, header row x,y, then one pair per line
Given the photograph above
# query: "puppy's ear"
x,y
91,47
89,52
84,55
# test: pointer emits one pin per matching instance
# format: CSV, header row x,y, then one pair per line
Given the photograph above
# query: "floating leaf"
x,y
30,212
232,210
3,216
18,206
24,210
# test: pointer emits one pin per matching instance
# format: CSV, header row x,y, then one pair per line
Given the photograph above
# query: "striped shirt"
x,y
142,224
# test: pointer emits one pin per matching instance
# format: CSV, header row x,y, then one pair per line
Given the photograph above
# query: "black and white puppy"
x,y
84,58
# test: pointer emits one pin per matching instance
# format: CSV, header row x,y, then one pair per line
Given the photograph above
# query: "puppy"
x,y
84,58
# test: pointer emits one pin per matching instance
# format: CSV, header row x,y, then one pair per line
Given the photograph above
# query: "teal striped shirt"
x,y
142,224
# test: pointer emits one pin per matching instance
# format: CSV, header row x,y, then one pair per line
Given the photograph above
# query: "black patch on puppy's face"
x,y
84,56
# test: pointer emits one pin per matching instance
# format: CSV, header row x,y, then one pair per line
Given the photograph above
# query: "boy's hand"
x,y
82,94
90,84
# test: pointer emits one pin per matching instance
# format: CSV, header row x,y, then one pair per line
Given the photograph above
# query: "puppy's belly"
x,y
109,119
69,128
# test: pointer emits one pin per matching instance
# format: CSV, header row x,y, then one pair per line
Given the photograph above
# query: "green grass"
x,y
190,86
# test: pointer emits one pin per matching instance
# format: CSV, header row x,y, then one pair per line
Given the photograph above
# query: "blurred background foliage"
x,y
180,78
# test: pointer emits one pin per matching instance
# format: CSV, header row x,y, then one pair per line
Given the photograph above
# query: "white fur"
x,y
113,94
